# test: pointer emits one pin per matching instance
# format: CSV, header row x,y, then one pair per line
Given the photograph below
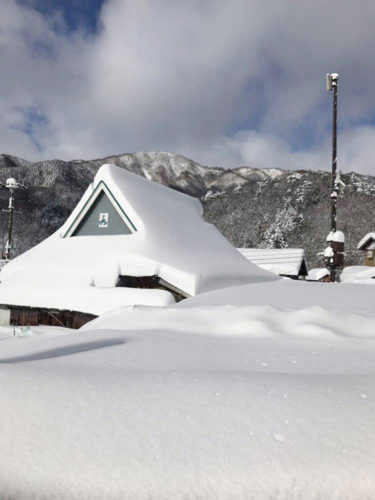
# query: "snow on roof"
x,y
317,273
339,237
328,252
282,261
330,236
165,236
365,240
32,291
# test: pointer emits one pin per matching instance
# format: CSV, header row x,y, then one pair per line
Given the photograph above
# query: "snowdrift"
x,y
213,402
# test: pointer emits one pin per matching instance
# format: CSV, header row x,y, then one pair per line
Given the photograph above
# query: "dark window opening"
x,y
151,282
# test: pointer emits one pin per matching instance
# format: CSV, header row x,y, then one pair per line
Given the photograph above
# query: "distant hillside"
x,y
252,207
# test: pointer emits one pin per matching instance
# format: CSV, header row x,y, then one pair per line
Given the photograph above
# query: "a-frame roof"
x,y
92,205
366,240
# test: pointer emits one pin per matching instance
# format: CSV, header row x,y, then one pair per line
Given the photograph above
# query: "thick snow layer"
x,y
339,236
199,402
317,273
328,252
330,236
282,261
292,295
75,295
358,274
227,320
366,239
172,241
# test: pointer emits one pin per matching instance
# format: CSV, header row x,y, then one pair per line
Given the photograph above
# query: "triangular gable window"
x,y
102,215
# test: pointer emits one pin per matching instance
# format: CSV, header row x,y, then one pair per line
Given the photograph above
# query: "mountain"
x,y
252,207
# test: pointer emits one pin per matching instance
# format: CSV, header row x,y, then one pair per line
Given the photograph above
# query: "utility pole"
x,y
334,253
11,184
332,82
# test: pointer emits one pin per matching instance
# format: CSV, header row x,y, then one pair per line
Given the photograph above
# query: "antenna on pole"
x,y
12,185
335,257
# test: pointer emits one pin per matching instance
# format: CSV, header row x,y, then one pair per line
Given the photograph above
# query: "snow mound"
x,y
292,295
202,402
358,274
226,320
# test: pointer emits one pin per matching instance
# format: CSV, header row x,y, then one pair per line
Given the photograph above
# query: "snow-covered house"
x,y
367,244
289,262
128,241
318,274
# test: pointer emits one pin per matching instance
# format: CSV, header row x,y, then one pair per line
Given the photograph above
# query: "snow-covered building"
x,y
367,244
288,262
318,274
128,241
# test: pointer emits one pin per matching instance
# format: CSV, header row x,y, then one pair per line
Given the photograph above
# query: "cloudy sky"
x,y
225,82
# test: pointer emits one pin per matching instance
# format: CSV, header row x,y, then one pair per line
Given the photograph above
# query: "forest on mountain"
x,y
266,208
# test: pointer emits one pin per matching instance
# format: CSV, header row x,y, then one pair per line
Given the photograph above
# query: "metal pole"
x,y
334,160
12,185
332,82
10,227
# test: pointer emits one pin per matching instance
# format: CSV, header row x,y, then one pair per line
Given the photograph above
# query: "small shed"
x,y
318,274
286,262
367,244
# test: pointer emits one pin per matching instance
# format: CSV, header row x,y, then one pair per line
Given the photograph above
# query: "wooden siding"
x,y
28,316
370,258
23,316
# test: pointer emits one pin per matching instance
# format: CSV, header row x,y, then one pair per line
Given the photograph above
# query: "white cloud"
x,y
226,82
356,147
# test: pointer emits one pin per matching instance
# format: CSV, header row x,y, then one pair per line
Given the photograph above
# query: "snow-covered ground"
x,y
200,400
365,275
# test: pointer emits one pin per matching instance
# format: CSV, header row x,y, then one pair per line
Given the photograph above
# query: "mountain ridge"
x,y
252,207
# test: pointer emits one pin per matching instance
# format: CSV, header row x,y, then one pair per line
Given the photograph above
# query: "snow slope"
x,y
195,401
293,295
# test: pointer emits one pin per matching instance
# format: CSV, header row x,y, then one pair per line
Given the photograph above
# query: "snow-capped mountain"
x,y
252,207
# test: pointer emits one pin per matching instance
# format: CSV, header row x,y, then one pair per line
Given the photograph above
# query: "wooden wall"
x,y
370,258
23,316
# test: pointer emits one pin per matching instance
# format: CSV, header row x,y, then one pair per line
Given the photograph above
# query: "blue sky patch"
x,y
77,14
34,122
